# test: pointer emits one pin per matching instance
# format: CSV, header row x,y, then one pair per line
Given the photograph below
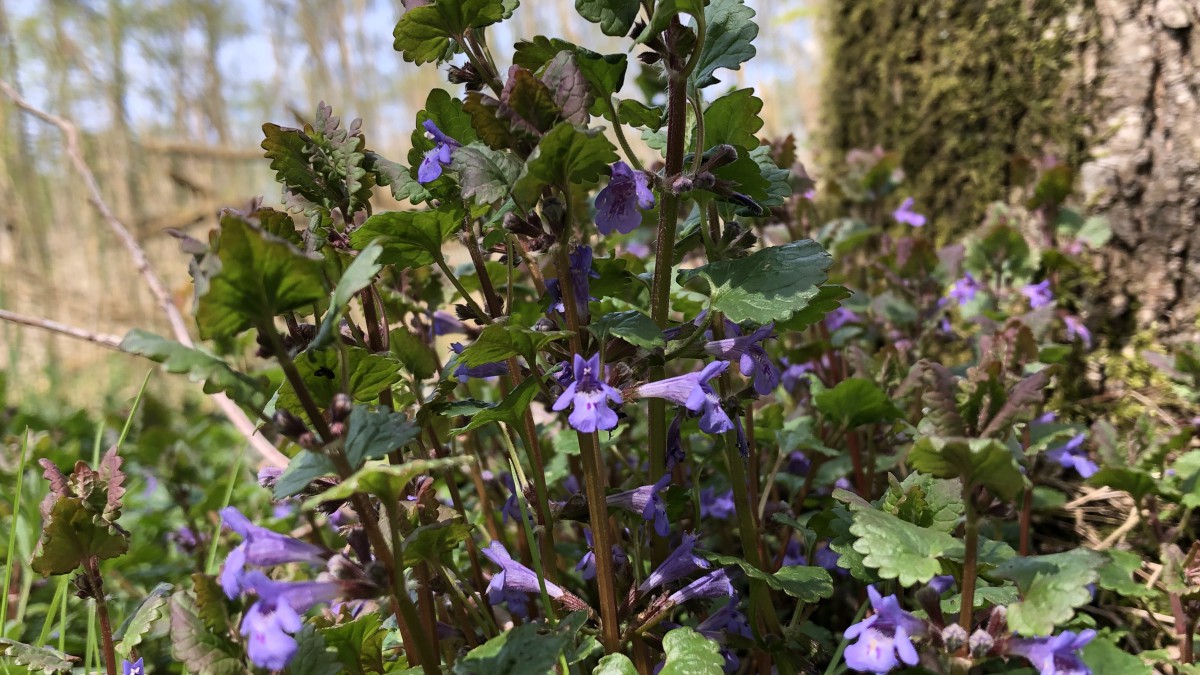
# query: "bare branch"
x,y
236,415
102,339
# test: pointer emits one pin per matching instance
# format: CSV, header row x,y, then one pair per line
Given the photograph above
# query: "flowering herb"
x,y
693,392
437,158
906,215
620,203
589,396
883,640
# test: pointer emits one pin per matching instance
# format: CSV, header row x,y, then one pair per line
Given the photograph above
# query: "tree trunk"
x,y
1145,175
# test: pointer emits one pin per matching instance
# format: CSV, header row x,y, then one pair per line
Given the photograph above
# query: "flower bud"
x,y
980,644
954,636
288,424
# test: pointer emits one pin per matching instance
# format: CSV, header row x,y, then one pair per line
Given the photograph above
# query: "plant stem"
x,y
441,263
594,478
12,530
519,482
97,583
620,131
971,544
1026,520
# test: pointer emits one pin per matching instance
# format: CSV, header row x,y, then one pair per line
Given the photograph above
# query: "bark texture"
x,y
1145,171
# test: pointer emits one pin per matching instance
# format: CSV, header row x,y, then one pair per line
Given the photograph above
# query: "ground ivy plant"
x,y
577,408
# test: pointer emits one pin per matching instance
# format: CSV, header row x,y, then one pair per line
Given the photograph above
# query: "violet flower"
x,y
513,576
752,358
1058,655
464,372
713,585
511,508
715,504
906,215
271,620
941,584
263,548
619,204
445,323
1077,331
680,563
646,502
1073,456
798,464
589,396
1038,294
587,564
965,289
675,453
581,273
726,621
133,668
693,392
883,636
840,317
437,158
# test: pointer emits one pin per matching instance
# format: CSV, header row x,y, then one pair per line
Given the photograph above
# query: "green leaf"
x,y
1117,575
604,72
42,659
638,114
980,461
142,620
510,410
398,178
778,188
313,656
615,664
564,155
485,118
1106,658
808,584
1052,586
303,469
500,340
200,650
212,606
72,534
924,500
728,40
359,643
984,596
1134,481
357,276
857,401
385,481
631,326
614,16
664,11
528,649
770,284
485,175
260,277
690,653
828,299
434,542
1096,232
898,549
415,354
409,238
733,119
199,366
372,434
368,375
424,33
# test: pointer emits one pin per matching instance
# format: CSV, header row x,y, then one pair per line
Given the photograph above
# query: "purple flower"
x,y
675,453
589,396
438,157
1038,294
262,547
693,392
464,372
445,323
793,374
726,621
134,668
587,564
1045,418
1073,456
883,636
965,289
581,272
679,564
618,204
511,508
647,502
752,358
715,504
941,584
793,554
828,558
712,585
1077,331
840,317
513,576
798,464
1058,655
271,620
906,215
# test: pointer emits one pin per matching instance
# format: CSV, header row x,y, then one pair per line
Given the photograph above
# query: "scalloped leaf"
x,y
980,461
896,548
372,434
690,653
631,326
42,659
368,375
509,411
198,365
808,584
424,34
409,238
1052,587
614,16
357,276
385,481
500,340
528,648
728,40
199,649
142,620
770,284
72,534
565,155
485,175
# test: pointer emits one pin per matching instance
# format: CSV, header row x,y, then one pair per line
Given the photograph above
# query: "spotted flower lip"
x,y
752,358
645,501
619,204
884,639
133,668
513,576
261,547
678,564
1039,295
589,396
270,622
437,158
693,392
1058,655
906,215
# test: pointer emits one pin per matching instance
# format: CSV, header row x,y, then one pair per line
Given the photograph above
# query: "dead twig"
x,y
268,453
102,339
